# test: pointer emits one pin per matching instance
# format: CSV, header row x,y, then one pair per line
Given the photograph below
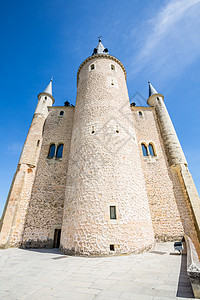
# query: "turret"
x,y
33,141
13,218
45,99
175,153
172,145
106,208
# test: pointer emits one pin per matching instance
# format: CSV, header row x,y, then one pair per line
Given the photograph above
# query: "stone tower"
x,y
106,177
12,222
175,155
106,206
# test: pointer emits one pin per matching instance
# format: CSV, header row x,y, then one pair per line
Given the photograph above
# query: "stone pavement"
x,y
47,274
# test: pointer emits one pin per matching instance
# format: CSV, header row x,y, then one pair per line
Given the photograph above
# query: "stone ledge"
x,y
193,267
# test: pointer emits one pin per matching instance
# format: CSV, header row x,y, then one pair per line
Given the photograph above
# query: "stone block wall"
x,y
169,204
12,223
104,168
46,204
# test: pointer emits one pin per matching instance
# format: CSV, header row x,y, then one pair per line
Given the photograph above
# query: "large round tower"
x,y
106,207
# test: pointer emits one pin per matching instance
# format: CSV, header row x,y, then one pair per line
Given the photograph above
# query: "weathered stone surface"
x,y
45,211
170,207
193,267
102,166
104,169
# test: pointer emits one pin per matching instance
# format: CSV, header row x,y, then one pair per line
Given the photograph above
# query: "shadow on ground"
x,y
44,250
184,285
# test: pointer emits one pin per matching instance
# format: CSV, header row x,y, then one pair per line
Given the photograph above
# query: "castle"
x,y
103,177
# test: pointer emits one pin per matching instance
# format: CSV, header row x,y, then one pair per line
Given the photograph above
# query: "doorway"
x,y
56,241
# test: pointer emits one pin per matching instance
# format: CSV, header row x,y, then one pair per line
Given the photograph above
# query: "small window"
x,y
113,213
113,67
144,150
140,113
151,150
117,128
112,247
59,151
38,143
112,82
61,113
92,129
92,67
45,97
52,149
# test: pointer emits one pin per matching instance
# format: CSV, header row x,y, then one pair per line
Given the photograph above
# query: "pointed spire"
x,y
48,89
100,49
152,91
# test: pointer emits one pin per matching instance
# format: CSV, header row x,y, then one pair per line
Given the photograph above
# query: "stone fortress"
x,y
103,177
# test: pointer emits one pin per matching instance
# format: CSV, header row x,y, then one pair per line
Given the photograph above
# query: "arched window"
x,y
59,151
144,150
52,149
61,113
92,67
113,67
151,150
140,113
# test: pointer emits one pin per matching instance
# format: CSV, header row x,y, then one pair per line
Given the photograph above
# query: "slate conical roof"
x,y
48,89
100,49
152,91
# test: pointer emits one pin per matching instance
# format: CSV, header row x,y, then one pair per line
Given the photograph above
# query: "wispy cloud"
x,y
15,148
172,41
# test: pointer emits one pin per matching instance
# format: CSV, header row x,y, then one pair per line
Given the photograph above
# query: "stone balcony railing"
x,y
193,267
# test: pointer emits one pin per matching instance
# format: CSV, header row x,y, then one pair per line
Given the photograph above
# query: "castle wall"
x,y
169,204
104,168
13,218
46,204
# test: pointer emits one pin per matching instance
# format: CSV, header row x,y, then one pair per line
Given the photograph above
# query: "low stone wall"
x,y
193,267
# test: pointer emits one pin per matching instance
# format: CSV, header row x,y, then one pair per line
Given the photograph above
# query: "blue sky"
x,y
155,40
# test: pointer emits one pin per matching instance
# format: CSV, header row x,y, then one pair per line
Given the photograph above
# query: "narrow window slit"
x,y
112,247
113,215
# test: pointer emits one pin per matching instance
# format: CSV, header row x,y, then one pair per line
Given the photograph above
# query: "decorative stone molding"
x,y
193,267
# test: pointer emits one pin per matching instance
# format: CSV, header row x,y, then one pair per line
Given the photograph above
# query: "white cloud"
x,y
171,41
15,148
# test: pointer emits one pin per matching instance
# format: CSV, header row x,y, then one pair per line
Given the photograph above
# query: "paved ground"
x,y
47,274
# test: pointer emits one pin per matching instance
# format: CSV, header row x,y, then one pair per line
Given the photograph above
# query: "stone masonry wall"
x,y
46,205
170,209
18,199
104,168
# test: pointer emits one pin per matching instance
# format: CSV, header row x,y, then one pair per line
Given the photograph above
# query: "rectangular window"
x,y
112,247
113,213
